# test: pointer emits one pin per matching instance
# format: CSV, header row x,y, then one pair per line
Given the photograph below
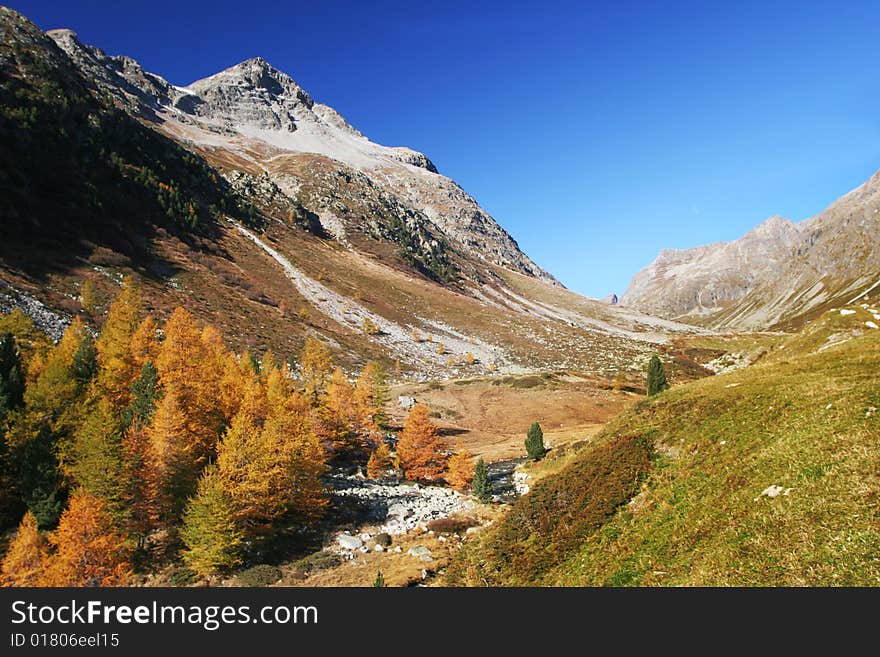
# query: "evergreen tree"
x,y
210,533
11,376
143,397
85,363
535,442
481,487
379,582
139,482
657,382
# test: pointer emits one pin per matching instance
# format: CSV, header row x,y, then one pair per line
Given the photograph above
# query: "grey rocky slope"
x,y
705,279
259,120
778,273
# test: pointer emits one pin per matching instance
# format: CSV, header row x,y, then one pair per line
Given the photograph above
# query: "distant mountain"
x,y
781,273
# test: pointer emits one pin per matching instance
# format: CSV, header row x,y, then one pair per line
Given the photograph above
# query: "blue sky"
x,y
596,133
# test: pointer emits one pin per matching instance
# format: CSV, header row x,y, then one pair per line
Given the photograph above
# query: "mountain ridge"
x,y
779,274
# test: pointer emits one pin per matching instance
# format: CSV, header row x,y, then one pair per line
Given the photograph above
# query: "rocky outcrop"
x,y
706,279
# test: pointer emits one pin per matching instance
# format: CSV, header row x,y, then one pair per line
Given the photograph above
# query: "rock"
x,y
846,311
871,325
773,491
406,402
419,551
473,530
349,542
378,548
382,539
426,558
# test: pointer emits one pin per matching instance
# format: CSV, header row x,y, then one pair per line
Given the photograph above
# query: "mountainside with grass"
x,y
767,475
269,216
777,276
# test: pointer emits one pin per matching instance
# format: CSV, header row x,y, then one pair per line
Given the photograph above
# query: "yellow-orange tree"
x,y
420,450
25,559
380,461
89,551
461,470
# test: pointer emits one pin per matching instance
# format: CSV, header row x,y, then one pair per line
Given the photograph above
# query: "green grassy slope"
x,y
802,419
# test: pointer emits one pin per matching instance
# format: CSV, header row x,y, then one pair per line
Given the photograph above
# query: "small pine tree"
x,y
657,382
480,486
469,358
379,582
441,349
535,442
209,531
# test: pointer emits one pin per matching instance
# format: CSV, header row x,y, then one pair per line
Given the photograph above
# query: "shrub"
x,y
259,575
451,525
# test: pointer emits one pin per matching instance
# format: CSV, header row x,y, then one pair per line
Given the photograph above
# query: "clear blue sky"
x,y
597,133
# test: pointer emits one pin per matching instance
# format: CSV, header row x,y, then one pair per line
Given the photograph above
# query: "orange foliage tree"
x,y
461,470
420,450
25,559
380,462
89,551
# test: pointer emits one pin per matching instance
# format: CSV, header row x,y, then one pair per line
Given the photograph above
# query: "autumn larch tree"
x,y
25,559
370,395
316,365
380,461
420,450
210,532
117,368
461,470
94,459
89,551
176,466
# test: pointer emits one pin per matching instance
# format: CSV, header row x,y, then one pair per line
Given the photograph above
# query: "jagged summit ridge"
x,y
258,115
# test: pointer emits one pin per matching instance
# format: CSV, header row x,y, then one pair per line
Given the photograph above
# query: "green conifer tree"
x,y
481,487
656,376
379,582
535,442
143,397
